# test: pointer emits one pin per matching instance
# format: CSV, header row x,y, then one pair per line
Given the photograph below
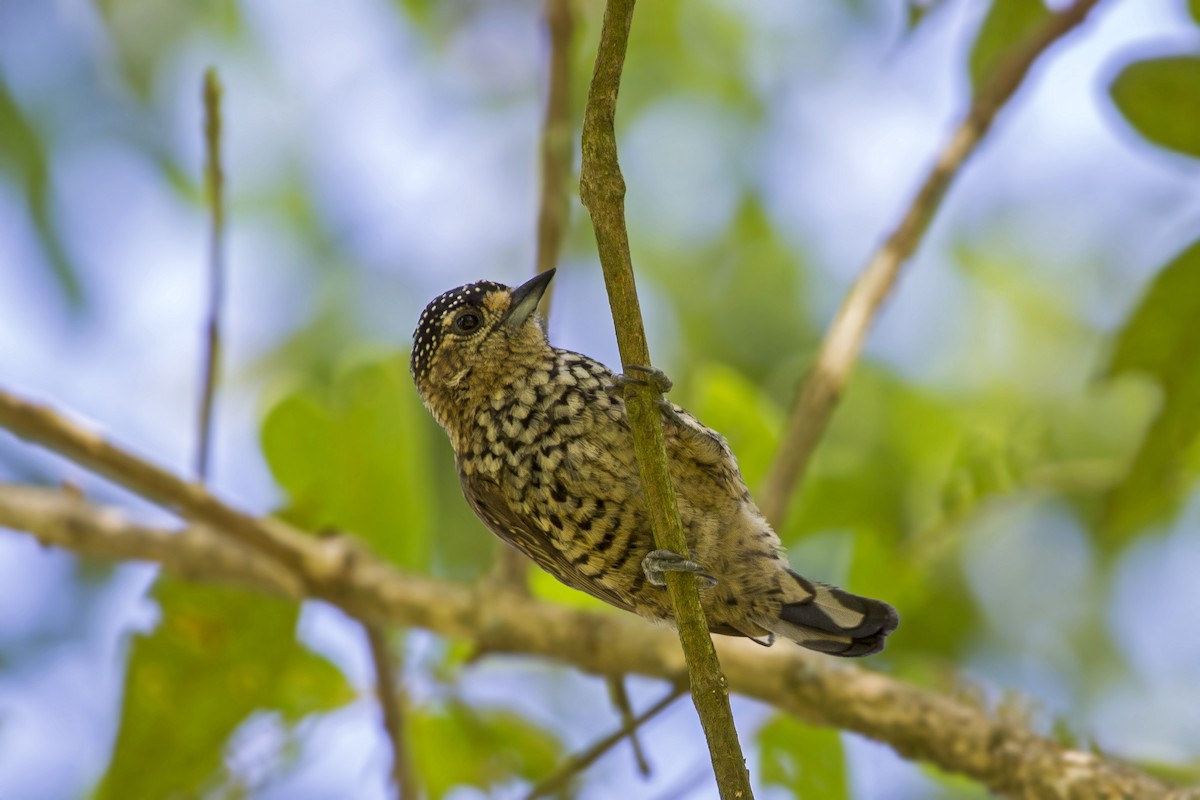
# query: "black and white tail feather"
x,y
835,622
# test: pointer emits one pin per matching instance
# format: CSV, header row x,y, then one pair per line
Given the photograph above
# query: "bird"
x,y
545,458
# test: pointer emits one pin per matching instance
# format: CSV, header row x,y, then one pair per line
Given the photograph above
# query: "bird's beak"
x,y
525,299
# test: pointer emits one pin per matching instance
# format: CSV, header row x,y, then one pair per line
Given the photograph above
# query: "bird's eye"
x,y
466,322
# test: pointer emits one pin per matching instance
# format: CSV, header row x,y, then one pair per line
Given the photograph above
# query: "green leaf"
x,y
462,746
145,34
308,684
1007,25
1161,340
1194,10
355,460
24,156
807,761
883,462
1160,98
217,655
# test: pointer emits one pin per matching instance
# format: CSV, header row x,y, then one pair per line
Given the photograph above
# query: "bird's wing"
x,y
488,502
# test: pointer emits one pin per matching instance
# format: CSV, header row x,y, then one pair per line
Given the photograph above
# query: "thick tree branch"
x,y
602,189
839,351
63,519
43,426
919,724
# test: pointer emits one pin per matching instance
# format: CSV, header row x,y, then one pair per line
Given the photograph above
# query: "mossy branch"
x,y
602,189
947,731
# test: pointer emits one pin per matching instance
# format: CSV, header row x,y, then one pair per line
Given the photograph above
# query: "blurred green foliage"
x,y
144,33
459,745
354,460
1161,341
808,762
23,157
1007,25
357,454
1154,96
216,656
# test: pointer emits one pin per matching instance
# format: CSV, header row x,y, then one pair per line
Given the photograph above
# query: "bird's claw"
x,y
659,562
649,376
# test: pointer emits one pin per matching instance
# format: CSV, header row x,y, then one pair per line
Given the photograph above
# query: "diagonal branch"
x,y
318,564
919,724
619,697
64,519
558,780
602,189
839,351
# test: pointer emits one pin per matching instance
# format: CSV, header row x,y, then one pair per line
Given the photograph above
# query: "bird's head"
x,y
469,337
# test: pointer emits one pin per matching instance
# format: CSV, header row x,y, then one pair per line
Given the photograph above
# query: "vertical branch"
x,y
819,394
555,203
214,185
512,567
394,704
602,189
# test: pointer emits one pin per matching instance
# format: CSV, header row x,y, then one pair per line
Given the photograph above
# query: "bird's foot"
x,y
648,376
651,375
660,562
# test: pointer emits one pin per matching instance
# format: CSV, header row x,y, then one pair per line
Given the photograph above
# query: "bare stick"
x,y
394,705
951,733
827,377
620,699
602,189
555,205
561,777
214,184
45,427
62,519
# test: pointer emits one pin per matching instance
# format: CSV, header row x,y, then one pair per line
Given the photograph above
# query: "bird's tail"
x,y
835,622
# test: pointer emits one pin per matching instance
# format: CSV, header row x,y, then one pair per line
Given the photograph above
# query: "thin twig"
x,y
827,377
620,699
214,184
577,763
44,426
394,704
555,205
602,189
955,735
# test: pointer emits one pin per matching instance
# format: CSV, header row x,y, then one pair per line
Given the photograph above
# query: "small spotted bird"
x,y
546,460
